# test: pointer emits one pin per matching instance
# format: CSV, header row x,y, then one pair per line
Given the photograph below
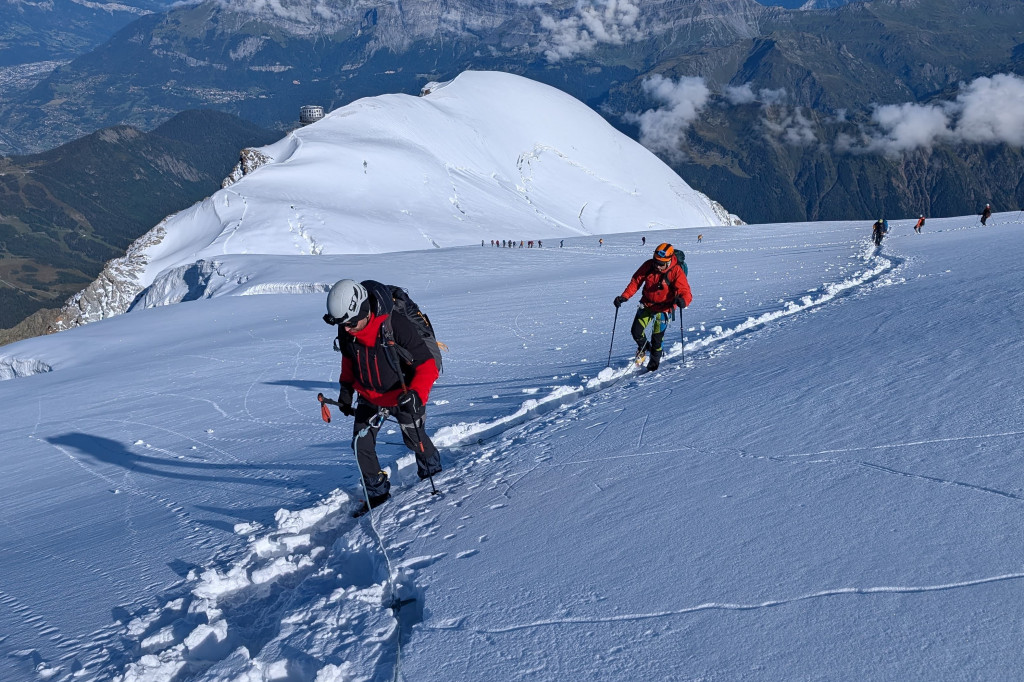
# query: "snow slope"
x,y
827,486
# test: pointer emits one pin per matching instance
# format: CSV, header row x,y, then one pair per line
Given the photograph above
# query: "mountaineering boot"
x,y
375,501
641,352
655,360
379,491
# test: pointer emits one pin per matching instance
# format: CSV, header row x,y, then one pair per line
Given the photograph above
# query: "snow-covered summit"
x,y
485,156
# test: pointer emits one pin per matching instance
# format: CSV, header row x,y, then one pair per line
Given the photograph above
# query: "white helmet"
x,y
347,301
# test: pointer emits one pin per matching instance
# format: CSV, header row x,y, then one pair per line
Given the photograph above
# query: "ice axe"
x,y
325,411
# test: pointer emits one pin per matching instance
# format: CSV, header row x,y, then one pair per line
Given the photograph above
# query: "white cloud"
x,y
305,13
987,110
744,94
845,143
909,126
661,129
799,130
739,94
992,110
565,39
792,128
592,22
768,96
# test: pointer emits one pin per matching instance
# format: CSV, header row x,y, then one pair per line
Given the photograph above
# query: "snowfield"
x,y
822,483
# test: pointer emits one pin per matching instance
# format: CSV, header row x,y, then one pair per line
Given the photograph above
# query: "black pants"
x,y
414,435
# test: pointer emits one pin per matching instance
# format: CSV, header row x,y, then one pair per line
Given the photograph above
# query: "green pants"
x,y
644,317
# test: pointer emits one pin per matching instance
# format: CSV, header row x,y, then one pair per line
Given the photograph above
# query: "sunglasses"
x,y
349,324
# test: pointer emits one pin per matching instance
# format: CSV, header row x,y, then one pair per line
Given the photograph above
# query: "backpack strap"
x,y
388,335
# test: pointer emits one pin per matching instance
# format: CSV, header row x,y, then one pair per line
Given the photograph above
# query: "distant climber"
x,y
877,232
664,287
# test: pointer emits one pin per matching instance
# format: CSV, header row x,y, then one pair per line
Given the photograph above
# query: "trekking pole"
x,y
614,322
682,339
405,389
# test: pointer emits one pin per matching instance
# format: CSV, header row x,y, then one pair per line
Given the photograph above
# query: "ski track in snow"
x,y
238,223
875,266
819,457
906,474
713,606
222,619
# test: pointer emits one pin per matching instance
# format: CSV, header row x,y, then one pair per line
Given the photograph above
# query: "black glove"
x,y
619,300
680,302
345,400
410,402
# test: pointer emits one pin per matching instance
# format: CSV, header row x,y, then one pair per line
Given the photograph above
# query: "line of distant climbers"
x,y
511,243
528,243
881,226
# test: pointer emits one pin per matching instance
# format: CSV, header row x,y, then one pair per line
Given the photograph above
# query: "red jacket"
x,y
660,288
366,364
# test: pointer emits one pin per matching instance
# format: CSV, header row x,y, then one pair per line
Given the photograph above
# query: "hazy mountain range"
x,y
43,30
65,212
779,114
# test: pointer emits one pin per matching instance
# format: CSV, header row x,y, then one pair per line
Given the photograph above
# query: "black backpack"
x,y
403,305
393,300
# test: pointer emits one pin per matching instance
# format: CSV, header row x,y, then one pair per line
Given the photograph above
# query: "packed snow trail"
x,y
875,266
160,458
311,546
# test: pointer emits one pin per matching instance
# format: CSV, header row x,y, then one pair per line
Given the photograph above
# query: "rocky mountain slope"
x,y
47,30
65,212
262,61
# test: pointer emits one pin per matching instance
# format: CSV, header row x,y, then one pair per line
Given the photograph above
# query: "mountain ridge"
x,y
844,61
65,212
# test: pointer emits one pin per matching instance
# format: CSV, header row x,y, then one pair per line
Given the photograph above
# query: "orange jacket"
x,y
660,288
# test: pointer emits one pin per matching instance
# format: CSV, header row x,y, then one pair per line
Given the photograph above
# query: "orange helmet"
x,y
664,253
